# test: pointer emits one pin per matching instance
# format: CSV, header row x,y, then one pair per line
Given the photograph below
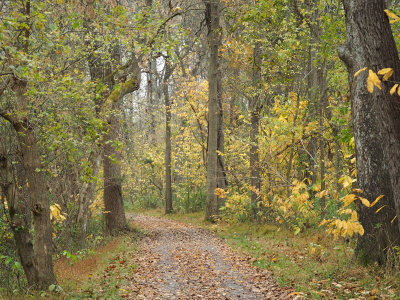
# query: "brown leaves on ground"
x,y
82,270
178,261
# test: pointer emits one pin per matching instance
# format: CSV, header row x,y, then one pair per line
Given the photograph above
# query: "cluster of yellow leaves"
x,y
97,206
349,226
338,227
236,205
393,18
373,79
298,208
55,213
4,202
220,193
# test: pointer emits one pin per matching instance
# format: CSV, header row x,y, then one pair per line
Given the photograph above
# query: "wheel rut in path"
x,y
180,261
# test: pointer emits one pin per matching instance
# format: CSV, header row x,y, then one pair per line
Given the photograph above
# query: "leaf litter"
x,y
179,261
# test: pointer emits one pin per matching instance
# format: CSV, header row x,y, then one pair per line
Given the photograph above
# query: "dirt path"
x,y
178,261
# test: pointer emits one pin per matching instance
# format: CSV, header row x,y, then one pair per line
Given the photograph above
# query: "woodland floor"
x,y
179,261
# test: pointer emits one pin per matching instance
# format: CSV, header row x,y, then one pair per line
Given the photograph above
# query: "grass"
x,y
311,262
100,274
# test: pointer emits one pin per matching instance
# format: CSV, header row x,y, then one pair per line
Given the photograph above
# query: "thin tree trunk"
x,y
212,19
168,176
222,181
291,155
254,108
323,101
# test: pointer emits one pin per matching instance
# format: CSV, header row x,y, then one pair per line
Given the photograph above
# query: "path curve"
x,y
180,261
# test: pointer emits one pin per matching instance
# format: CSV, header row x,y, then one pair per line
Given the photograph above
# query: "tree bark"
x,y
376,124
222,181
212,19
254,108
20,214
113,202
168,176
86,195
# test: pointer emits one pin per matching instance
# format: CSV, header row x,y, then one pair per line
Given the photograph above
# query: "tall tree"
x,y
168,176
254,108
30,156
214,38
11,184
376,123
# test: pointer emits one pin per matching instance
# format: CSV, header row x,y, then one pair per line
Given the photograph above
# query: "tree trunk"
x,y
113,202
369,43
254,108
168,176
86,195
292,148
20,215
323,102
212,19
42,246
222,181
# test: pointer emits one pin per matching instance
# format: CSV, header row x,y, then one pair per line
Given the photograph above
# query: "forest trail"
x,y
179,261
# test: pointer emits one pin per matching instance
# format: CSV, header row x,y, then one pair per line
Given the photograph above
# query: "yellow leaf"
x,y
392,16
361,230
386,72
393,219
348,199
365,201
376,200
373,80
322,194
359,71
379,209
325,222
394,88
354,216
295,294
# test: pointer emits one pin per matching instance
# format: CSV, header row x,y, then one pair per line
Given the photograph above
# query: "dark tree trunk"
x,y
33,174
20,214
212,19
254,108
168,176
376,124
222,181
323,102
42,246
36,188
